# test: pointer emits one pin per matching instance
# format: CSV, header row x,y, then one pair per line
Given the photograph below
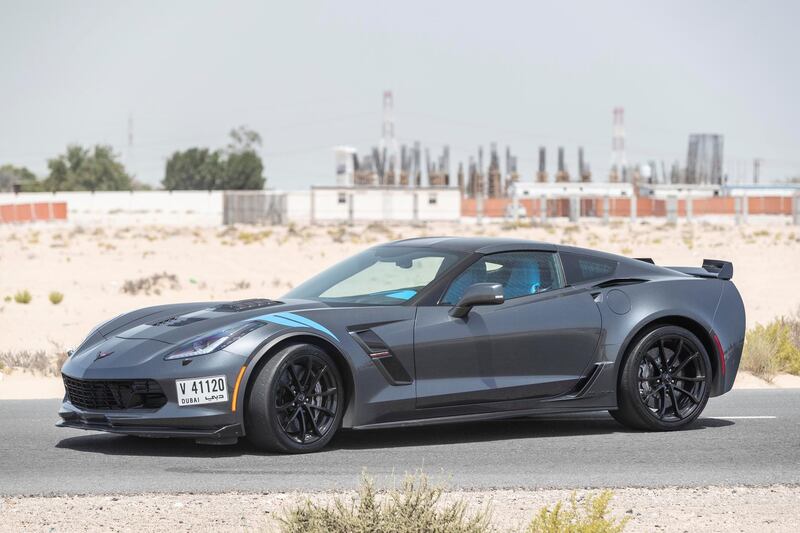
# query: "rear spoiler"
x,y
712,268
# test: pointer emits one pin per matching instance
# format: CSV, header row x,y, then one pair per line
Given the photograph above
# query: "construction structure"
x,y
541,174
619,163
704,159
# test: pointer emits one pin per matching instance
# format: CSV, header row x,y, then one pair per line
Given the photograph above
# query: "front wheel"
x,y
296,402
665,382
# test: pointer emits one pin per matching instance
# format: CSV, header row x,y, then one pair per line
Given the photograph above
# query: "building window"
x,y
431,199
342,198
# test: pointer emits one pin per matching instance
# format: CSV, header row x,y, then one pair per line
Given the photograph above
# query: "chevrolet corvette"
x,y
419,331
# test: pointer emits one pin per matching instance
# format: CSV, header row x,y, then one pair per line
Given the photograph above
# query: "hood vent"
x,y
176,321
245,305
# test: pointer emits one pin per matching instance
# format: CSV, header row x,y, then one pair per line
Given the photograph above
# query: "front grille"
x,y
114,395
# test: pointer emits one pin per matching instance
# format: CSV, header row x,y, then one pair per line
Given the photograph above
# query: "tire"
x,y
654,400
296,402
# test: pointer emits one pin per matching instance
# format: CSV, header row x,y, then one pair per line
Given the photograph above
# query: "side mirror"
x,y
478,294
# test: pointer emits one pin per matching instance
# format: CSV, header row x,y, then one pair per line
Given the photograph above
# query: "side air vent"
x,y
616,282
245,305
388,364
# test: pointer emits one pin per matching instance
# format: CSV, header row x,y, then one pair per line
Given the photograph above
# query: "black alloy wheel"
x,y
665,382
672,379
306,399
296,401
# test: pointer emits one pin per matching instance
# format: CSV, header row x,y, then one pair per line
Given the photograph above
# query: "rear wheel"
x,y
296,402
665,382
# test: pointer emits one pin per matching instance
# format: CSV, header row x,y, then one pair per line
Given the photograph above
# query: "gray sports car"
x,y
419,331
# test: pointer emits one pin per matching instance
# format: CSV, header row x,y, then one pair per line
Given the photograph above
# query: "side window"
x,y
520,274
579,268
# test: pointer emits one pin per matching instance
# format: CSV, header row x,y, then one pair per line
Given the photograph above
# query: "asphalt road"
x,y
725,446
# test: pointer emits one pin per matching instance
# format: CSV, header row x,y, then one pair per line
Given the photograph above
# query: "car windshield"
x,y
384,275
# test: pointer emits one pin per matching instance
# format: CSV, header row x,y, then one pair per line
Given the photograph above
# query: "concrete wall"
x,y
124,208
385,203
203,208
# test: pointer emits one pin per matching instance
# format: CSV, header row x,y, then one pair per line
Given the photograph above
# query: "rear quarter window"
x,y
580,268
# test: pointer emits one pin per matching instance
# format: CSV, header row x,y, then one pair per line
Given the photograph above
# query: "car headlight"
x,y
212,342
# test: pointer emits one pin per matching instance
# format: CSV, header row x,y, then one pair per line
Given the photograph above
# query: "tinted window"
x,y
579,268
520,274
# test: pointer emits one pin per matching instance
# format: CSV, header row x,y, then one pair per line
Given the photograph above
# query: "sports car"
x,y
419,331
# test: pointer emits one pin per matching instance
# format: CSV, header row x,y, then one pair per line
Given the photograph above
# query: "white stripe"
x,y
746,417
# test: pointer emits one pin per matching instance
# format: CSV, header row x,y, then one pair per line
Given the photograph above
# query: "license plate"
x,y
200,391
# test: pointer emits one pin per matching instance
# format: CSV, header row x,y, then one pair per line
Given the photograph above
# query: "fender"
x,y
264,350
669,316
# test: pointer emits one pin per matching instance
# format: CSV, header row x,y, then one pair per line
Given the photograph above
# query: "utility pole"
x,y
756,169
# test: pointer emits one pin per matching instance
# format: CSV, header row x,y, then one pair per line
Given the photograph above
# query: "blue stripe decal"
x,y
402,295
278,320
306,322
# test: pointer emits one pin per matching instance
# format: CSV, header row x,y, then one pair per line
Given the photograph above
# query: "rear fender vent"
x,y
616,282
383,357
245,305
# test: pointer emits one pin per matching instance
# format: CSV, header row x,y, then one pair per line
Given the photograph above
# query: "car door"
x,y
538,343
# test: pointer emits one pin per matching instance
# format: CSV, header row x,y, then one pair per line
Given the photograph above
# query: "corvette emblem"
x,y
102,354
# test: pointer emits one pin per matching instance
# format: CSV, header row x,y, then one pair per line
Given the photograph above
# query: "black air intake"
x,y
391,368
106,395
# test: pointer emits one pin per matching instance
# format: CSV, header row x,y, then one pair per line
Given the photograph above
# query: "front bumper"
x,y
140,360
152,423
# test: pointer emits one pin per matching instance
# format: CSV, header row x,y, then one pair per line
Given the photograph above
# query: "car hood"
x,y
173,324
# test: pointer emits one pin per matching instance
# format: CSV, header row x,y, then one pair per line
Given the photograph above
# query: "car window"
x,y
579,268
384,276
520,274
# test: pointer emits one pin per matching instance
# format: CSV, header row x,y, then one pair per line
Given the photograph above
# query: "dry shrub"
x,y
417,506
38,362
759,354
773,348
151,284
249,237
589,517
55,297
241,285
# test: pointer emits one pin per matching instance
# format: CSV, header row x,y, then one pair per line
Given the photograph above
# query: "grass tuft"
x,y
23,297
417,506
589,517
55,297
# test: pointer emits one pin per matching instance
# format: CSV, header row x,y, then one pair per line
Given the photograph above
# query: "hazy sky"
x,y
310,75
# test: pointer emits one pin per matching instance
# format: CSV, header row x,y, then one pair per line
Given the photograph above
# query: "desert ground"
x,y
701,510
104,271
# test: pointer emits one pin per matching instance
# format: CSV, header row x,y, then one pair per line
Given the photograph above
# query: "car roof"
x,y
475,244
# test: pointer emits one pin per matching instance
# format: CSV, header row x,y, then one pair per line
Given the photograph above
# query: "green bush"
x,y
416,507
23,297
55,297
590,517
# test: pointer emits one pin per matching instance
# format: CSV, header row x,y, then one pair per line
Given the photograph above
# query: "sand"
x,y
703,509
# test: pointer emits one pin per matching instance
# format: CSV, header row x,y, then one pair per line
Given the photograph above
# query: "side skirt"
x,y
483,416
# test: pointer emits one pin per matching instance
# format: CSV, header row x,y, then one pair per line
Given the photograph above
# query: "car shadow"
x,y
472,432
